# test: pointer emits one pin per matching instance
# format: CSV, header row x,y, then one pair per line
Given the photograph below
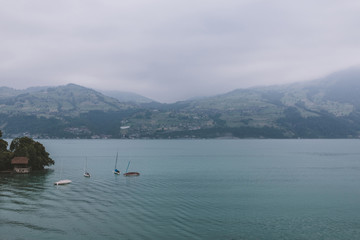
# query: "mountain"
x,y
58,101
127,97
64,111
323,108
6,92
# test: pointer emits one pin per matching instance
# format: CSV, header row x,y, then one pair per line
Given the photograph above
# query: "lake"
x,y
188,189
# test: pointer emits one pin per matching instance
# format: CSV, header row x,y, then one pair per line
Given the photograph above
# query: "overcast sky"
x,y
171,50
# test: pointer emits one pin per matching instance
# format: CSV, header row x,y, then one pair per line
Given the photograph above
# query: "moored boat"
x,y
116,171
86,173
131,174
62,182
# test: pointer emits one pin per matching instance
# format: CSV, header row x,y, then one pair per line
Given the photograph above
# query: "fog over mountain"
x,y
127,96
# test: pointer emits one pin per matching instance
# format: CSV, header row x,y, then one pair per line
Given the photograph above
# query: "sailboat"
x,y
116,171
130,174
86,173
64,181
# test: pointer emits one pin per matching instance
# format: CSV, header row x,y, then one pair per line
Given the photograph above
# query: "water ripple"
x,y
186,191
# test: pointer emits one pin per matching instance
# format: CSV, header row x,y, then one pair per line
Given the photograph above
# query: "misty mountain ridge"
x,y
323,108
70,99
123,96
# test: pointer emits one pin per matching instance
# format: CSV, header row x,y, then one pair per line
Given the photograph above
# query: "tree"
x,y
3,144
35,151
5,155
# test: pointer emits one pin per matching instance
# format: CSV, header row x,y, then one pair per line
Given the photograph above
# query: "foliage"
x,y
323,126
33,124
3,144
5,160
5,155
35,151
24,147
223,132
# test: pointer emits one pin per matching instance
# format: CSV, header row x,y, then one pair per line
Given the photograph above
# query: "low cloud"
x,y
173,50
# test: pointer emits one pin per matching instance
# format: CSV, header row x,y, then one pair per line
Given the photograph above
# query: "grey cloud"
x,y
173,50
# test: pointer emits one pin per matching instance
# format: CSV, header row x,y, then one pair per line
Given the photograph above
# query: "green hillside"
x,y
325,108
65,111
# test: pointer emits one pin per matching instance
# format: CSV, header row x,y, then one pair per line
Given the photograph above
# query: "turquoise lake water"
x,y
188,189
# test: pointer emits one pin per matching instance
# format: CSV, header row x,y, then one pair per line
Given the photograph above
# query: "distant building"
x,y
21,164
124,131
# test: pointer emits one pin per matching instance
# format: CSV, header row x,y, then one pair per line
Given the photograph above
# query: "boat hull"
x,y
62,182
131,174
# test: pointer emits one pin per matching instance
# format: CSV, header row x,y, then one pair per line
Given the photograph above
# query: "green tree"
x,y
35,151
3,144
5,155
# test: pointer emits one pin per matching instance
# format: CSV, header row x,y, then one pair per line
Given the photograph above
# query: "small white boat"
x,y
86,173
63,182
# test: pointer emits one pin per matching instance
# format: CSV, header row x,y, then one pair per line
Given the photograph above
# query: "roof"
x,y
20,160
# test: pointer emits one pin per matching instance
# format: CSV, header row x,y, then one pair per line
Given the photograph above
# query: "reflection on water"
x,y
24,185
21,198
246,189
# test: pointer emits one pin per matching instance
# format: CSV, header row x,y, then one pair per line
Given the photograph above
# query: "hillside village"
x,y
325,108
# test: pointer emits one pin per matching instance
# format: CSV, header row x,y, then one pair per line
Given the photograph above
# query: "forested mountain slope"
x,y
323,108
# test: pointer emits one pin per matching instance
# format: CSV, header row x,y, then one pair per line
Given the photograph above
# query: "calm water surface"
x,y
188,189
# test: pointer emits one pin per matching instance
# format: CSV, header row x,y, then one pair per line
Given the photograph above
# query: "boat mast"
x,y
116,159
61,169
128,166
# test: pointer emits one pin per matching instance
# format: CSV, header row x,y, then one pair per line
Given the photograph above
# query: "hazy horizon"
x,y
343,74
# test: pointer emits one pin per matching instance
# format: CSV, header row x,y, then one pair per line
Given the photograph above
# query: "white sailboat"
x,y
64,181
86,173
116,171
